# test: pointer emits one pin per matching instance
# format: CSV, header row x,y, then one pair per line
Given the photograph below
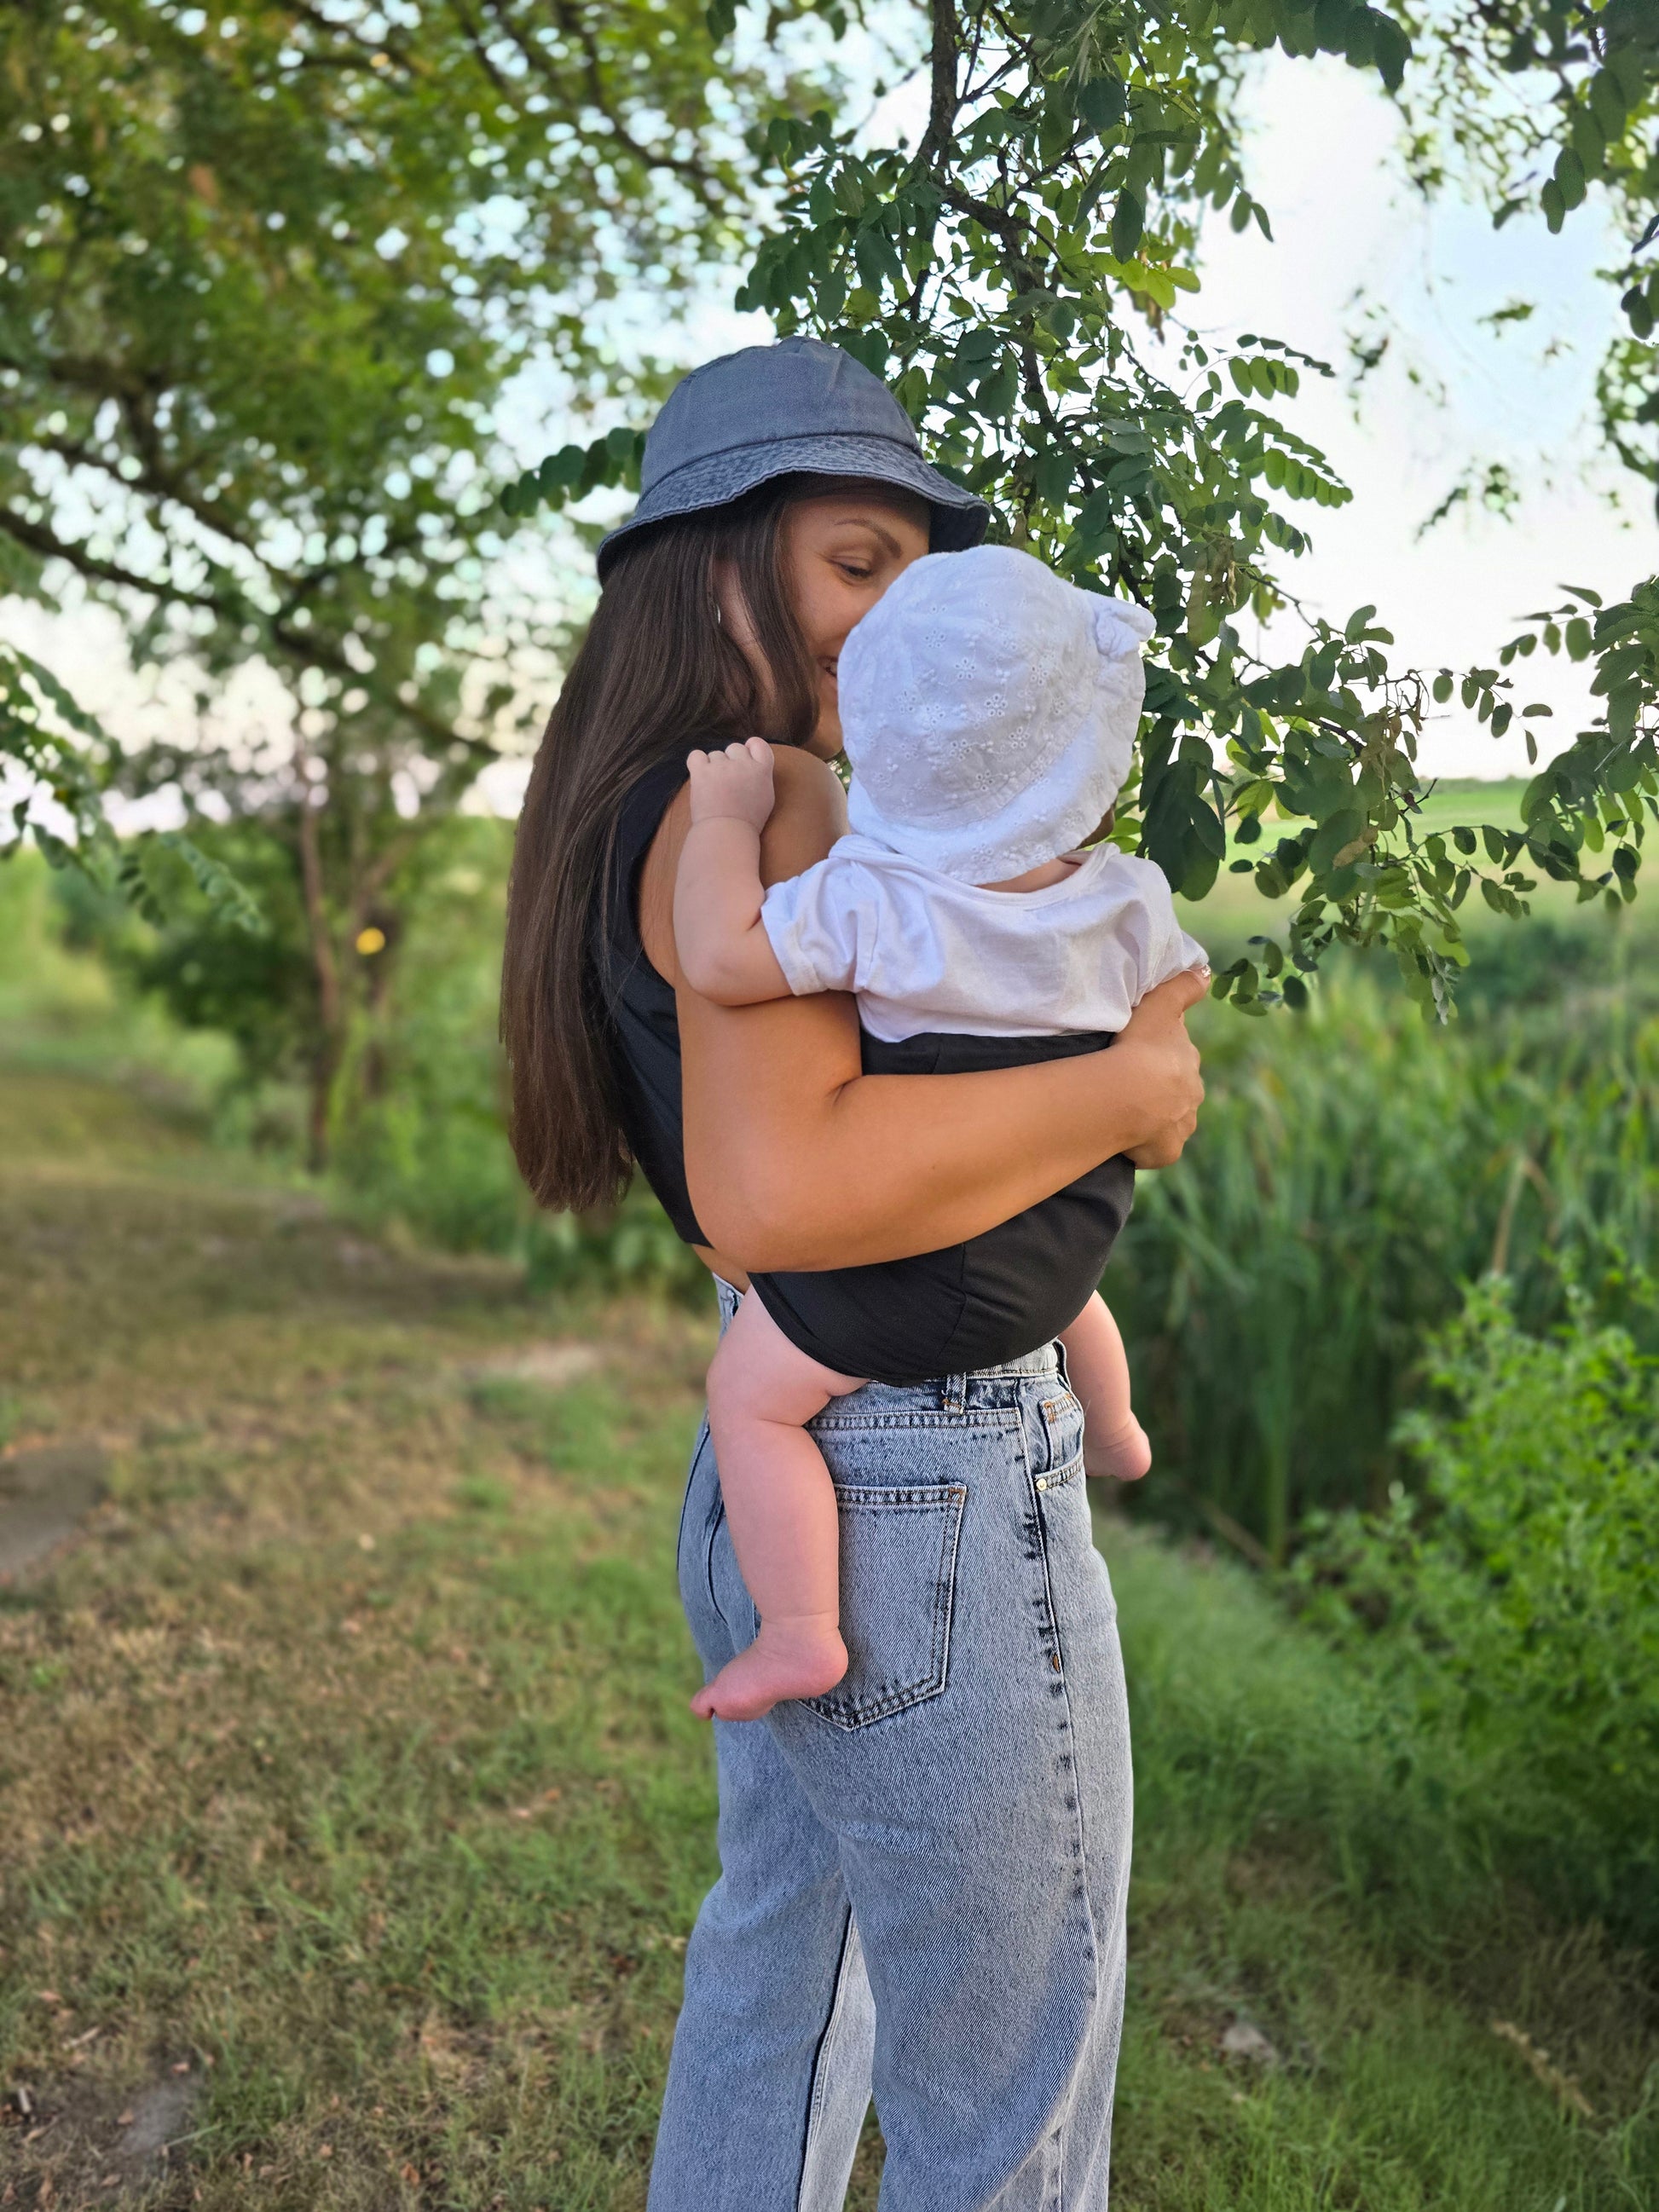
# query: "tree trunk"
x,y
325,1063
324,1068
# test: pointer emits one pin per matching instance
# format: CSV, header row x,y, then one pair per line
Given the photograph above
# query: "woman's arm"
x,y
796,1159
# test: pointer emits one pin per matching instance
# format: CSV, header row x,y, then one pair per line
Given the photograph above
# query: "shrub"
x,y
1513,1603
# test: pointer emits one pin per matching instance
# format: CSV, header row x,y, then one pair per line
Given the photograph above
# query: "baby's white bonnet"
x,y
989,710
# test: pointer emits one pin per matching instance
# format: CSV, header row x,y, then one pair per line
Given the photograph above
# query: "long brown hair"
x,y
656,675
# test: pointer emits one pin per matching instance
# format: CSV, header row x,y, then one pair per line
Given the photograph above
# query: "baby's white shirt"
x,y
925,952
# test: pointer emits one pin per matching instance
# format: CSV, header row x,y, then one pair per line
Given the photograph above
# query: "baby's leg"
x,y
1114,1441
780,1504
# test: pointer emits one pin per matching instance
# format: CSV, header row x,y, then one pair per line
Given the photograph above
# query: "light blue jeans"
x,y
923,1873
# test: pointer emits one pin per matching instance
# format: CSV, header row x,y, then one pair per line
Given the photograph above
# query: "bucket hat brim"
x,y
960,519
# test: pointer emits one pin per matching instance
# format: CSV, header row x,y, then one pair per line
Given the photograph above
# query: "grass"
x,y
354,1823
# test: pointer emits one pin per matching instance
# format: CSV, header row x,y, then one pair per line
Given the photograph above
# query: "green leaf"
x,y
1331,19
1588,142
1333,836
1052,474
1392,50
560,470
1569,178
1103,103
1607,104
998,393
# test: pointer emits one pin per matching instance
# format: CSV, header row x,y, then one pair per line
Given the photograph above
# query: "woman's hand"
x,y
1167,1076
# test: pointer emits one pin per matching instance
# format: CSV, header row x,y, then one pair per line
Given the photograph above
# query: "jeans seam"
x,y
697,1450
1063,2114
709,1537
815,2100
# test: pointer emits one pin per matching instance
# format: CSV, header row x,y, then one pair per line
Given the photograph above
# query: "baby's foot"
x,y
1125,1456
798,1656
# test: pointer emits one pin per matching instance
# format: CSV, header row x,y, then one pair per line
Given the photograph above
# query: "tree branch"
x,y
390,46
692,171
943,104
318,651
39,539
469,33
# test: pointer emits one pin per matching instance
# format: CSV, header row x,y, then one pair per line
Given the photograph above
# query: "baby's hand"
x,y
736,783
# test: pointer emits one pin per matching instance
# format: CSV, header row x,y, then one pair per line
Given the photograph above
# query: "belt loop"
x,y
1060,1359
953,1398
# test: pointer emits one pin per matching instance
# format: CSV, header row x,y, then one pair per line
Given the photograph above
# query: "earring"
x,y
719,619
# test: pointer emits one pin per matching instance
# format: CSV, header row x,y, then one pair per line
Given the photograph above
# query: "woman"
x,y
924,1874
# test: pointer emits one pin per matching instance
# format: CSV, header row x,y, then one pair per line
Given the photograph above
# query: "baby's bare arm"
x,y
725,953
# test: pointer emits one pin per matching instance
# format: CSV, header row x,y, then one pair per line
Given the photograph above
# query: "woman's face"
x,y
841,549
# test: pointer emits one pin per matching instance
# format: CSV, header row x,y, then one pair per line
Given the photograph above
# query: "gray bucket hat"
x,y
768,411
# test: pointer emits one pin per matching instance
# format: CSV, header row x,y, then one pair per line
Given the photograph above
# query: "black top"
x,y
995,1298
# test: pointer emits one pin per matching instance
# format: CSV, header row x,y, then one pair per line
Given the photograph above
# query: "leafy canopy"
x,y
266,279
1018,275
263,280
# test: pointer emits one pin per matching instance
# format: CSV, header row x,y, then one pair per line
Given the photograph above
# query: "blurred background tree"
x,y
266,277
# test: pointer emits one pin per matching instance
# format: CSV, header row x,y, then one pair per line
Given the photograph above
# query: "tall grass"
x,y
1353,1170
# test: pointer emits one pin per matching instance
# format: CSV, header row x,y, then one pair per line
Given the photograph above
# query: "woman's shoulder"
x,y
807,784
809,813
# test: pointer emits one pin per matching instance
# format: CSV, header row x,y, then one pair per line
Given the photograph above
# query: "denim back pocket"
x,y
1062,1426
898,1571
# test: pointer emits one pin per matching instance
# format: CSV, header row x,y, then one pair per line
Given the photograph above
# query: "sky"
x,y
1320,153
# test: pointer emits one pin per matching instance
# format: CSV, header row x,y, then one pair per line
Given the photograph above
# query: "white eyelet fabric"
x,y
989,711
925,951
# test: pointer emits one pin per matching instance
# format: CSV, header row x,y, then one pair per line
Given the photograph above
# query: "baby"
x,y
989,711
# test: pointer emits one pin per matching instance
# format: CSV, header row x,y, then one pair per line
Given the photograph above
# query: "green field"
x,y
1235,909
354,1821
